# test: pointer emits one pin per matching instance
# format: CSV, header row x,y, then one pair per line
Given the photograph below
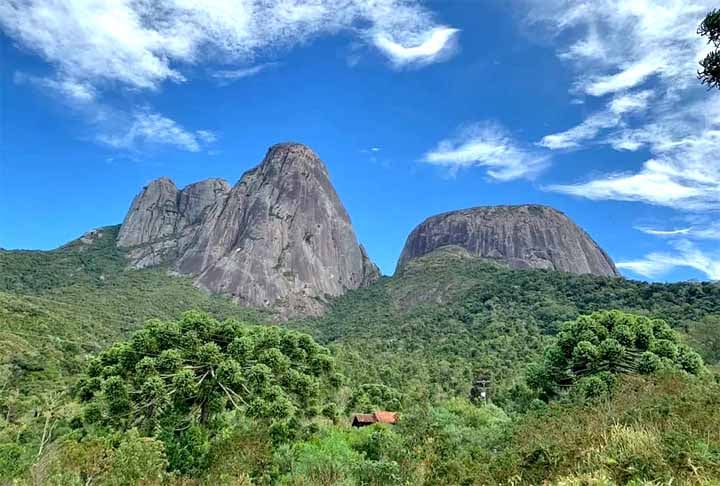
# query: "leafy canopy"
x,y
172,373
372,397
592,349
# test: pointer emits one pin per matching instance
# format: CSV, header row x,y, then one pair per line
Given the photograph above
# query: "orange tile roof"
x,y
386,417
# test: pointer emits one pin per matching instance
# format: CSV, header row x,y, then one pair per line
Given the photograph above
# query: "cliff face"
x,y
163,221
529,236
280,238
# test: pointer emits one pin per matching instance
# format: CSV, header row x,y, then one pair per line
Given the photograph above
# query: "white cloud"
x,y
629,77
141,44
438,43
98,46
588,129
148,128
487,145
616,46
593,125
228,76
206,136
117,128
658,232
69,90
629,103
708,231
686,175
686,254
649,185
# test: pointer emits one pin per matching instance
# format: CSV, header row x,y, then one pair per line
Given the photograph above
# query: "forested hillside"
x,y
58,306
214,398
448,318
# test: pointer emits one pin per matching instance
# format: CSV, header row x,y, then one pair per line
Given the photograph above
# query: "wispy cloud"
x,y
591,127
709,231
69,90
437,44
628,77
143,44
118,128
225,77
686,176
659,232
96,47
149,128
649,46
487,145
685,254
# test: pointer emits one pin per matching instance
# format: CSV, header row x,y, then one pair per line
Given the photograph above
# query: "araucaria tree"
x,y
178,377
709,73
591,350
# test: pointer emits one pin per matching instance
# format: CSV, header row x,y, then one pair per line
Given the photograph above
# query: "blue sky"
x,y
417,108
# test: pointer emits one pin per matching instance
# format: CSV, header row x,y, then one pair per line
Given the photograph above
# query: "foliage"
x,y
705,337
414,342
328,460
710,28
178,376
591,349
117,460
373,397
57,308
452,440
432,330
652,429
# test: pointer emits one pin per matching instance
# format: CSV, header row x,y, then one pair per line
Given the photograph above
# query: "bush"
x,y
116,460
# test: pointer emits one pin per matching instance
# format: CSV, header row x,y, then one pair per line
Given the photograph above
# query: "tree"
x,y
173,379
372,397
592,349
710,72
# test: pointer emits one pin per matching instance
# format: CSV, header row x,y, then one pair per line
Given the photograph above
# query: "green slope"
x,y
58,306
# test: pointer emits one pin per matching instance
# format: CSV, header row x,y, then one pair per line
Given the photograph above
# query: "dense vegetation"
x,y
447,320
105,380
59,307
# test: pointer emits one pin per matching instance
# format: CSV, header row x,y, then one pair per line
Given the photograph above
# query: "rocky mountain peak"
x,y
152,215
279,238
525,236
284,153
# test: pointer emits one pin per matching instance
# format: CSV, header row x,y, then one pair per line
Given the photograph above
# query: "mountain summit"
x,y
279,238
527,236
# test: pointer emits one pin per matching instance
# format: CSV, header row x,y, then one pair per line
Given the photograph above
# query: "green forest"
x,y
117,376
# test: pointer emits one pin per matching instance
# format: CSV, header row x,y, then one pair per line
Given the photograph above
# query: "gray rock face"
x,y
529,236
280,238
163,220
